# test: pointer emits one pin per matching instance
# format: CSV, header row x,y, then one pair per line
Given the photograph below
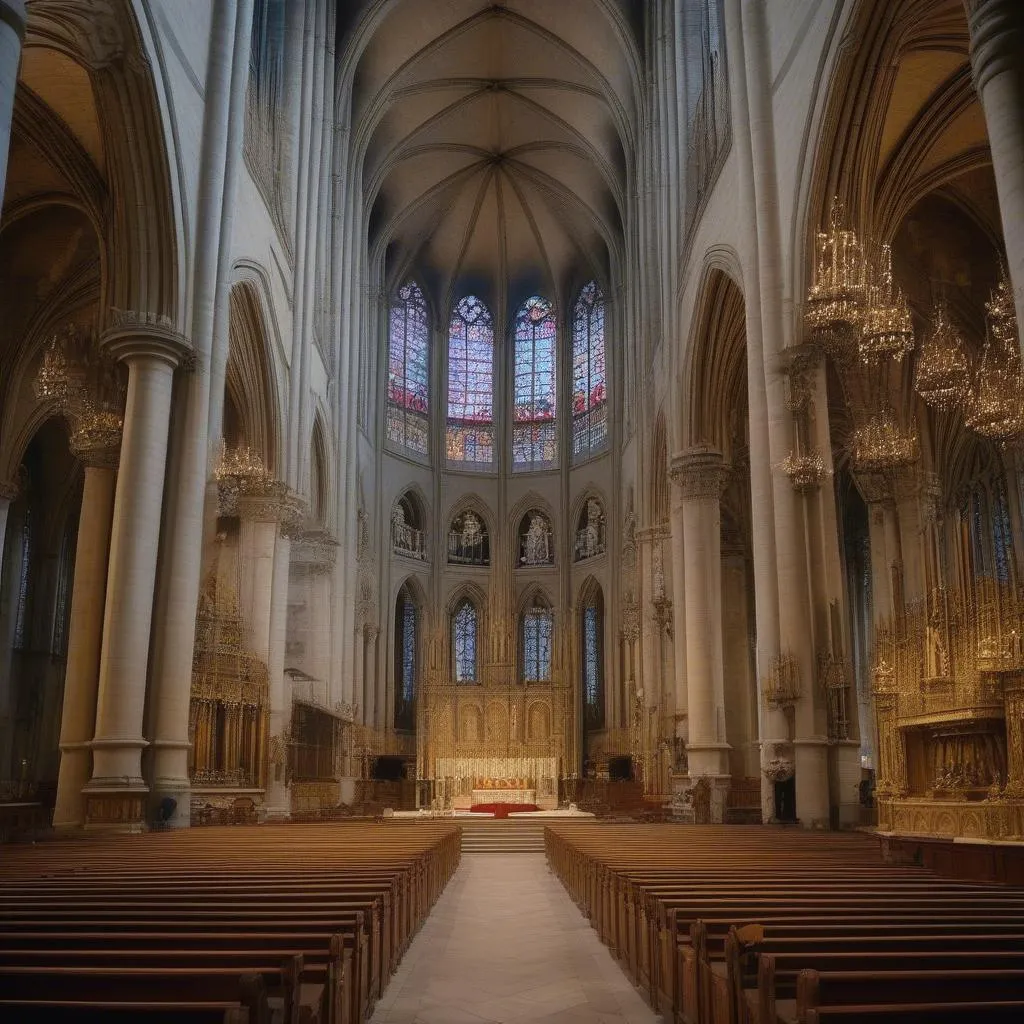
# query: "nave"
x,y
390,922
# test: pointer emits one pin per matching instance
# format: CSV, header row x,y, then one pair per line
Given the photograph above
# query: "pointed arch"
x,y
408,658
465,633
536,621
589,379
591,647
534,408
409,523
470,423
408,394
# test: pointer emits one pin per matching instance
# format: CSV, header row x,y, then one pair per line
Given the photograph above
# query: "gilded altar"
x,y
948,686
470,733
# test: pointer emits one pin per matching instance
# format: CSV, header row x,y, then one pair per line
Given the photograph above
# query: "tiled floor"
x,y
505,943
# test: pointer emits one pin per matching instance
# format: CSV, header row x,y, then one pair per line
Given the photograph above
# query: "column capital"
x,y
12,12
699,472
132,335
265,505
997,37
95,453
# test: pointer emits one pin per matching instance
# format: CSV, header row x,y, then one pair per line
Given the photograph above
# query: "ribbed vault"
x,y
494,140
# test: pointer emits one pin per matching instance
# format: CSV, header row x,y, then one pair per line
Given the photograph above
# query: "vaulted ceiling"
x,y
496,141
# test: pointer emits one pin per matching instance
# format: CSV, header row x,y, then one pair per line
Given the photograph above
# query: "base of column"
x,y
72,778
708,759
810,757
170,803
700,799
277,804
116,804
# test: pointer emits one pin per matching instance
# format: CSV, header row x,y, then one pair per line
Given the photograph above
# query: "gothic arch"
x,y
250,378
528,502
715,381
144,233
471,503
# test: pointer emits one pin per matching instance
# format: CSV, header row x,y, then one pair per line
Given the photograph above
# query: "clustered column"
x,y
151,349
85,634
997,43
702,474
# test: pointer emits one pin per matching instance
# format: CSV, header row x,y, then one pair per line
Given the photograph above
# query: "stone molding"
x,y
9,490
315,551
997,38
700,473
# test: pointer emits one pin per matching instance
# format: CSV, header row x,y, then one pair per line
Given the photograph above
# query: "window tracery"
x,y
464,642
591,660
589,386
408,406
470,428
405,660
537,627
534,437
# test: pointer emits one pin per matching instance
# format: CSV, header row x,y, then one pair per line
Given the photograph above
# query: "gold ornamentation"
x,y
805,471
836,303
881,444
782,688
887,331
942,373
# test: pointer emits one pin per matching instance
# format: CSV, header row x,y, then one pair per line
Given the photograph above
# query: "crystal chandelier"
x,y
61,378
805,471
942,374
887,329
242,469
835,307
882,444
97,427
995,403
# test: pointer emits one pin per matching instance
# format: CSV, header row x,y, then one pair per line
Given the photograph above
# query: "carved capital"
x,y
997,38
315,550
699,473
132,335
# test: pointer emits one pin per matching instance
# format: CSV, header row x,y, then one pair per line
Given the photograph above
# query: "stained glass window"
x,y
589,390
593,676
533,428
408,370
464,627
1001,535
538,626
470,434
405,662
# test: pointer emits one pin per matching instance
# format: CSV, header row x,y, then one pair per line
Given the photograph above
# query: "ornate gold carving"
x,y
700,473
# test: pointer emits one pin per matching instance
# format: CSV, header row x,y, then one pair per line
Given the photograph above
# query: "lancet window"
x,y
589,385
470,428
534,434
406,623
592,630
408,371
464,642
468,543
537,627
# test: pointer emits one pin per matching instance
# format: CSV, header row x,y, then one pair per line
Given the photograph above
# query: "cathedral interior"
x,y
413,411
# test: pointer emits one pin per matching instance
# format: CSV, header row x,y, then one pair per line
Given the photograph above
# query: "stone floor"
x,y
505,943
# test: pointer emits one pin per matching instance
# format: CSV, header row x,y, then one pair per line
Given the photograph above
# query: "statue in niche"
x,y
537,541
592,540
936,662
472,530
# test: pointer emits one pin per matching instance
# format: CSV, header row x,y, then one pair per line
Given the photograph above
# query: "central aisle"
x,y
505,943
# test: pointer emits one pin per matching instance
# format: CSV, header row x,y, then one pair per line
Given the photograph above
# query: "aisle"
x,y
505,943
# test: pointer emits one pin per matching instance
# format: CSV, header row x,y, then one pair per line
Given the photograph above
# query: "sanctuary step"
x,y
482,834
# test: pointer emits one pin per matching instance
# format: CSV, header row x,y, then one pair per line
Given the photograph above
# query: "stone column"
x,y
369,695
277,801
8,492
85,635
260,517
997,43
12,31
115,796
679,600
702,475
1013,696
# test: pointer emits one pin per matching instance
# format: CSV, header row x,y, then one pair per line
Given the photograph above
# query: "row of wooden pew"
x,y
755,925
290,923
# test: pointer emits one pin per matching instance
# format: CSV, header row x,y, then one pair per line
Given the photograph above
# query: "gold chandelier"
x,y
881,444
805,470
942,375
242,468
63,374
995,403
835,307
887,330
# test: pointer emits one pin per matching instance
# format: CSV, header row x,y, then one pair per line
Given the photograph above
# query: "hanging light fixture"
x,y
995,403
63,372
942,375
835,307
887,330
881,444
